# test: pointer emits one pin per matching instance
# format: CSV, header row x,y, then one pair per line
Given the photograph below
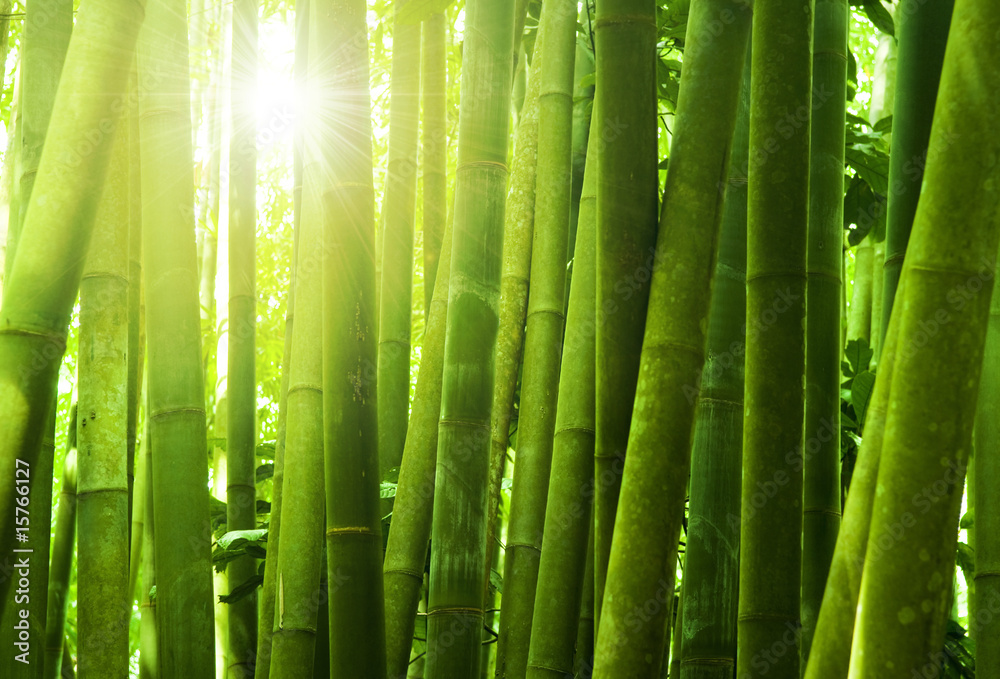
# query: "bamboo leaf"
x,y
861,393
968,519
859,355
265,471
965,557
387,490
878,15
871,164
242,590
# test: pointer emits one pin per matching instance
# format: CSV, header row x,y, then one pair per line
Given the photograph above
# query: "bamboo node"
x,y
448,610
487,164
349,530
625,19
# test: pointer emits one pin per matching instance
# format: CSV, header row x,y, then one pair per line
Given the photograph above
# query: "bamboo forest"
x,y
499,339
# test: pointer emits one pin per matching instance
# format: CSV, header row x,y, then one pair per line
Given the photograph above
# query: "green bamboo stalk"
x,y
339,77
45,39
136,311
543,335
830,652
459,529
880,106
103,608
984,594
821,474
672,669
520,19
519,225
67,671
951,259
583,106
878,280
149,655
859,314
34,317
625,115
583,659
14,164
300,551
777,214
406,552
656,465
921,37
241,401
23,623
208,261
136,526
268,596
563,562
62,560
434,80
519,88
8,194
396,299
176,391
220,305
5,8
711,554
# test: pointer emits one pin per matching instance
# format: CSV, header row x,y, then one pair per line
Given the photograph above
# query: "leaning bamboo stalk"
x,y
300,551
944,311
519,224
673,348
406,552
563,563
544,327
62,559
34,317
625,116
396,295
711,555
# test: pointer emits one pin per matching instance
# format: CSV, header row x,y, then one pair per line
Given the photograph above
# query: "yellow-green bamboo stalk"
x,y
339,78
944,310
459,530
625,115
176,389
34,317
241,401
406,552
434,81
777,216
62,560
673,348
103,608
543,336
396,296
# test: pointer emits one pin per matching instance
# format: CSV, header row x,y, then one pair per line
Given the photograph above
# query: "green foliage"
x,y
959,651
867,157
855,394
877,14
238,543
